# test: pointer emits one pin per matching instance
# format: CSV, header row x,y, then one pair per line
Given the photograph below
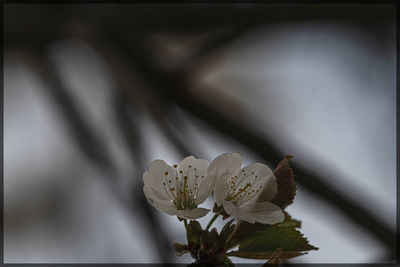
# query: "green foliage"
x,y
260,240
226,231
264,255
193,230
290,222
181,249
276,257
206,247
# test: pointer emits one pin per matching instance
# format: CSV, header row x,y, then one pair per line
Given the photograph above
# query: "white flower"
x,y
179,189
238,189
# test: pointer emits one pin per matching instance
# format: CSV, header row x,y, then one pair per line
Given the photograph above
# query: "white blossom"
x,y
238,189
178,189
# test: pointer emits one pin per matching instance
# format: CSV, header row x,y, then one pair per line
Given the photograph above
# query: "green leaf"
x,y
209,240
260,241
264,255
193,230
226,232
290,222
181,249
286,185
276,257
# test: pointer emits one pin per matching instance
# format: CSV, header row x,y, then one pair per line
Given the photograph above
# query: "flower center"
x,y
239,194
183,192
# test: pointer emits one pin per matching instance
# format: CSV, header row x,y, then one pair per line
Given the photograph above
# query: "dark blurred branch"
x,y
155,104
171,132
87,141
94,149
127,104
132,137
213,46
173,87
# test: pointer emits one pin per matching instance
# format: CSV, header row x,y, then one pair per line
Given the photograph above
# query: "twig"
x,y
211,221
233,232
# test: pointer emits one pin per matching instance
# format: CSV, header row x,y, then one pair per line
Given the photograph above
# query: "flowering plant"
x,y
254,196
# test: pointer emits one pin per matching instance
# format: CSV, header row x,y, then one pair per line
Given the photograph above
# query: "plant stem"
x,y
233,232
211,221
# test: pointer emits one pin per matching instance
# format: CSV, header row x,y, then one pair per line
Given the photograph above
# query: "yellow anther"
x,y
180,171
175,165
169,181
172,189
166,173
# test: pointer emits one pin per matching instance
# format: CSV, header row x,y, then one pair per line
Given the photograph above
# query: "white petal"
x,y
185,163
160,178
159,173
206,186
192,213
261,212
221,189
224,165
165,206
229,208
197,180
226,161
269,191
155,194
259,176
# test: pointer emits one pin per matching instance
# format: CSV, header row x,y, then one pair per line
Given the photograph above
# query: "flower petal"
x,y
154,193
226,161
269,191
204,182
197,180
221,189
224,165
192,214
261,212
260,177
164,205
184,165
160,178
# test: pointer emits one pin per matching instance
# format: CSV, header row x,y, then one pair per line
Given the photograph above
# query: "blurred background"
x,y
94,92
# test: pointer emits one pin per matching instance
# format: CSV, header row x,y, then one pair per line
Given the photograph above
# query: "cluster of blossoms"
x,y
179,189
